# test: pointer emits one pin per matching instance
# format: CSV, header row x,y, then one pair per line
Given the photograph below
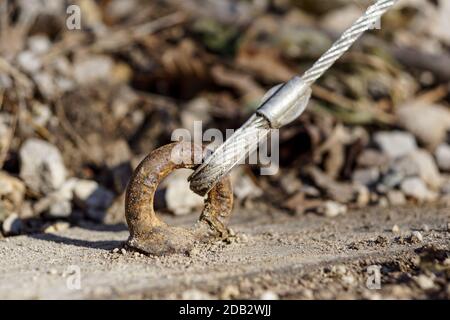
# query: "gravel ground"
x,y
273,256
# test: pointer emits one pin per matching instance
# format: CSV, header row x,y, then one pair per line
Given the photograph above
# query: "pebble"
x,y
230,292
366,177
424,282
12,191
93,198
362,196
91,69
332,209
269,295
395,144
29,62
245,188
442,155
416,237
42,167
115,250
425,228
60,209
372,158
56,227
416,188
39,44
123,251
396,198
179,198
429,123
428,170
12,225
395,229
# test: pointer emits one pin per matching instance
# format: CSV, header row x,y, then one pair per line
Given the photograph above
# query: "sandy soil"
x,y
273,254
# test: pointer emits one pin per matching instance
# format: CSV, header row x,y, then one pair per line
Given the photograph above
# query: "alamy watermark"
x,y
73,20
73,281
373,281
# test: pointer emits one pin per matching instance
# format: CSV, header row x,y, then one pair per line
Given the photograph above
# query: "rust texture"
x,y
151,235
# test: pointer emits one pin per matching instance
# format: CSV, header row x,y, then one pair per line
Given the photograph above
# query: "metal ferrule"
x,y
284,103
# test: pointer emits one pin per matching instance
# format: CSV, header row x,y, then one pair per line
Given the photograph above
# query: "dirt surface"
x,y
272,255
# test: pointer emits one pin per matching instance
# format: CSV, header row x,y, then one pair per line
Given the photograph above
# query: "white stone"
x,y
417,189
396,198
332,209
416,236
39,44
395,143
428,170
424,282
42,167
179,198
91,69
93,198
11,190
442,154
12,225
429,123
269,295
29,62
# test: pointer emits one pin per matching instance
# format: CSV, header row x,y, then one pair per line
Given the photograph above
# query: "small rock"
x,y
396,198
244,187
123,251
416,188
395,143
39,44
395,229
93,198
429,123
179,198
366,177
372,158
442,154
57,204
425,228
332,209
42,167
12,191
60,209
362,196
92,69
338,20
116,250
29,62
230,292
290,183
56,227
269,295
416,237
428,170
383,202
12,225
348,280
424,282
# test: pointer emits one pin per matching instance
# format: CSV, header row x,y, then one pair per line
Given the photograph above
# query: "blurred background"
x,y
88,88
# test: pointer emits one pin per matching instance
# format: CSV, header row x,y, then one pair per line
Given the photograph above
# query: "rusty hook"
x,y
151,235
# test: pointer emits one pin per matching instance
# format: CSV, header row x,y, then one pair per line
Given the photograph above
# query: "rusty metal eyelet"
x,y
151,235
